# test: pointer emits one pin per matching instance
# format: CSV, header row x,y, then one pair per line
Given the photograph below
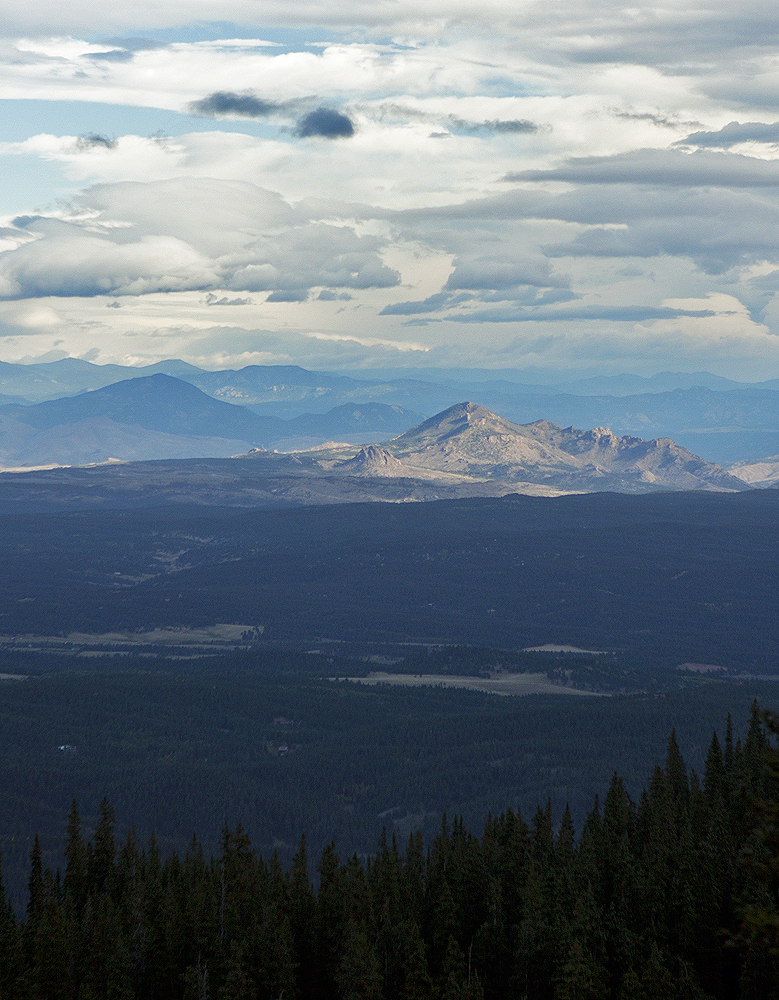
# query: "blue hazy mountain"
x,y
159,416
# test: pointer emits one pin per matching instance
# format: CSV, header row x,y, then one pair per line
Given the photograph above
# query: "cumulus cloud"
x,y
134,239
325,123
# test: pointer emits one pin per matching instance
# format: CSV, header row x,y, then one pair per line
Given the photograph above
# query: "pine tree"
x,y
75,883
103,855
302,919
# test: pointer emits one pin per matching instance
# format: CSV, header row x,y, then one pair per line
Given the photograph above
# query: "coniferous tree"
x,y
302,919
75,881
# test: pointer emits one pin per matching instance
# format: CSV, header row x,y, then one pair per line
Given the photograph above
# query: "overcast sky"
x,y
557,185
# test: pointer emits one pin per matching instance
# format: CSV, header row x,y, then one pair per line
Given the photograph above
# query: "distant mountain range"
x,y
723,420
465,450
158,416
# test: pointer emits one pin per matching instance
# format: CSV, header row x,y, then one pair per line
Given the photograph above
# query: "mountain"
x,y
156,416
470,440
353,423
159,416
764,474
353,418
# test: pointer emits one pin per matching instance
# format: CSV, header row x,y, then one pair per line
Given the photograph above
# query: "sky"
x,y
540,187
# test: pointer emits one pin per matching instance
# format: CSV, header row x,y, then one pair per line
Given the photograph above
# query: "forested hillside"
x,y
673,896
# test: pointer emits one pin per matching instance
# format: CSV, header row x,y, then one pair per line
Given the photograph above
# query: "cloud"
x,y
225,103
207,235
112,55
325,123
213,300
549,190
399,113
620,314
289,295
659,166
734,133
432,304
516,126
95,141
506,270
651,118
135,44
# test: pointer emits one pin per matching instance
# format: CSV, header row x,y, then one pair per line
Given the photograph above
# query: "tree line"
x,y
672,897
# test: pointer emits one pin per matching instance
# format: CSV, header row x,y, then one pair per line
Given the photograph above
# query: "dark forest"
x,y
672,896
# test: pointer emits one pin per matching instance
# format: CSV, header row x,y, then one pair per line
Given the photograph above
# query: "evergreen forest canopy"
x,y
675,896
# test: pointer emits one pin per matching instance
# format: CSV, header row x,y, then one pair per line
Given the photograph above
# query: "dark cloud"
x,y
327,123
327,295
93,140
734,133
224,102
